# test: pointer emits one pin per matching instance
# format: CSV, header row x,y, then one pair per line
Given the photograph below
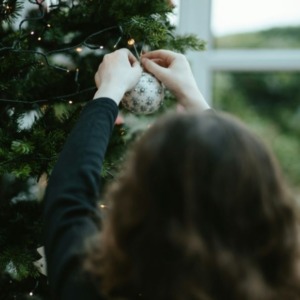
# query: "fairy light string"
x,y
31,293
88,42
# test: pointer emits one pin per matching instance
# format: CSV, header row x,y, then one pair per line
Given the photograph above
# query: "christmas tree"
x,y
49,52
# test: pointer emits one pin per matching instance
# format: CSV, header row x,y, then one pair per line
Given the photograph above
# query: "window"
x,y
202,18
235,16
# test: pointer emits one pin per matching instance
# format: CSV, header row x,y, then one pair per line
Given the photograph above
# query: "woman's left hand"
x,y
118,73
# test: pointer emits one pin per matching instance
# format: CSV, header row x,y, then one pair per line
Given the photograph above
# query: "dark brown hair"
x,y
200,211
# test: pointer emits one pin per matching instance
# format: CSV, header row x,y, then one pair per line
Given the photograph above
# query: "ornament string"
x,y
61,98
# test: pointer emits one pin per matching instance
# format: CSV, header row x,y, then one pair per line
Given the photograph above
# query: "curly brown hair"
x,y
202,212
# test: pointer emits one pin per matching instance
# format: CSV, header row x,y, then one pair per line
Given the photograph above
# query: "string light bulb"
x,y
131,42
76,75
70,102
36,285
78,49
118,41
39,38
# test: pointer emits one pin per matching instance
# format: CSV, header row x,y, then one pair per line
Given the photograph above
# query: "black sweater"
x,y
71,213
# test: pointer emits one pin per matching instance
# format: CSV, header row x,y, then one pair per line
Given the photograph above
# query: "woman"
x,y
200,210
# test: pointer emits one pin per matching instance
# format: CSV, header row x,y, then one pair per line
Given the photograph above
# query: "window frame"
x,y
195,18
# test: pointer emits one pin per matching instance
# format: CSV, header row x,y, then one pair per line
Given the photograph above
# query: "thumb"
x,y
135,75
137,66
137,69
97,79
158,71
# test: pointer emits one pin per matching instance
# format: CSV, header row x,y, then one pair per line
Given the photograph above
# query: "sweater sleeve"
x,y
71,214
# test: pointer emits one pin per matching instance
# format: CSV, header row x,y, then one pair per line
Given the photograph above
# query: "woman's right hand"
x,y
174,71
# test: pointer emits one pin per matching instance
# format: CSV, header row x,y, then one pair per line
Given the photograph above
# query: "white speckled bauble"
x,y
146,97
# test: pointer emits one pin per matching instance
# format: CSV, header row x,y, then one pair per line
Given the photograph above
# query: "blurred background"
x,y
251,67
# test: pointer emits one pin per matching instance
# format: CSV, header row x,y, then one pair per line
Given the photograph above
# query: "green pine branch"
x,y
10,10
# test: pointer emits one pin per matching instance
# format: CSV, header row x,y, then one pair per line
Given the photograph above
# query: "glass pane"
x,y
256,23
270,104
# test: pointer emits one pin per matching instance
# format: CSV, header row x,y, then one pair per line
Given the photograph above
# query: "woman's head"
x,y
201,203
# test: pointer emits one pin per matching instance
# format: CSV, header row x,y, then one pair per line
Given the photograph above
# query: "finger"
x,y
136,72
160,62
154,68
97,80
132,59
136,64
158,54
137,67
166,55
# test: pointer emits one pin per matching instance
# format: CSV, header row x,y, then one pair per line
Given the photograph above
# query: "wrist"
x,y
194,101
115,93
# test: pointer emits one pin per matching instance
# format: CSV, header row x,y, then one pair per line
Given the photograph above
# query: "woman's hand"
x,y
118,72
174,71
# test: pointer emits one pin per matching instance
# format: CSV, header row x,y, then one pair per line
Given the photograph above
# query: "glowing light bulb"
x,y
118,41
78,49
131,42
70,102
101,47
48,25
31,294
39,38
32,32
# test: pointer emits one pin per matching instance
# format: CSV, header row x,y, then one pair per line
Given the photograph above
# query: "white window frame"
x,y
195,18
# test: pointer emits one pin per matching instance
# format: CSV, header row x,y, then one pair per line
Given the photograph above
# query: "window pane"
x,y
270,104
256,23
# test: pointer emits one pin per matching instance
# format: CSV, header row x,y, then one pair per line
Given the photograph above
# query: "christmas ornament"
x,y
41,263
146,97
